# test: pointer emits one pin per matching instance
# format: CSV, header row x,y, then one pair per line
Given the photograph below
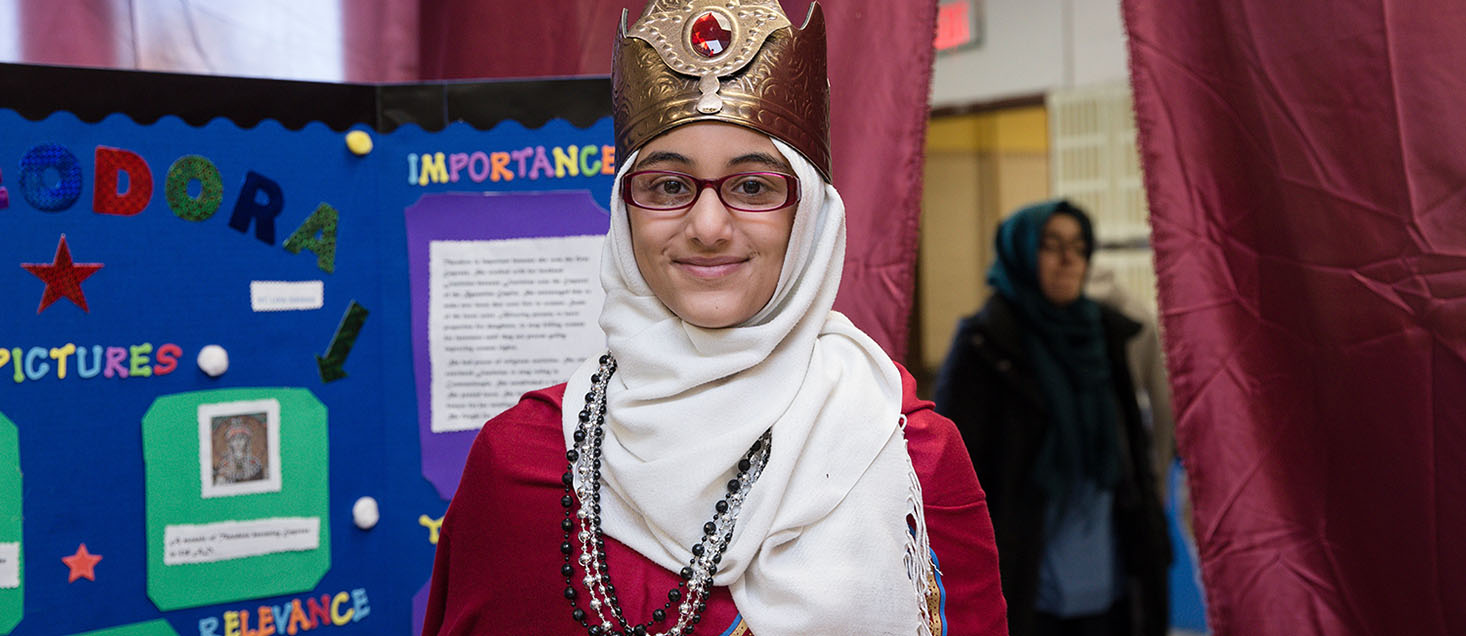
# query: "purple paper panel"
x,y
476,217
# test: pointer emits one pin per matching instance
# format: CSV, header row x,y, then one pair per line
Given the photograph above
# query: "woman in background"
x,y
1038,384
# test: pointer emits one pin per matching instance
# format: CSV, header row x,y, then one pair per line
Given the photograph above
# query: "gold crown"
x,y
734,61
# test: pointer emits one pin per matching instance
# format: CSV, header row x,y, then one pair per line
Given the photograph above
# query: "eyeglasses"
x,y
665,191
1075,248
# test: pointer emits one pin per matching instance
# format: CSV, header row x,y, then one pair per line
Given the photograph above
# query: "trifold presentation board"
x,y
250,329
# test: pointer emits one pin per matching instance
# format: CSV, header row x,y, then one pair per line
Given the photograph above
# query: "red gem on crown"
x,y
711,35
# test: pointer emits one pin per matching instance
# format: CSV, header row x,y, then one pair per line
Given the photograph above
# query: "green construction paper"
x,y
12,602
158,627
174,496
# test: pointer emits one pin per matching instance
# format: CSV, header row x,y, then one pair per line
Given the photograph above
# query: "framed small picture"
x,y
239,448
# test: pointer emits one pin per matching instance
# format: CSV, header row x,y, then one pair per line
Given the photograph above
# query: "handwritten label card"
x,y
275,295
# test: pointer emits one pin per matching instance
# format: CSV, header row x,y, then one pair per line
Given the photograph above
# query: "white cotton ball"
x,y
213,360
365,513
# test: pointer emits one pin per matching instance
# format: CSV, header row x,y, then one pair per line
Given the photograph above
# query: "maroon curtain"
x,y
76,32
379,37
380,40
880,73
1305,163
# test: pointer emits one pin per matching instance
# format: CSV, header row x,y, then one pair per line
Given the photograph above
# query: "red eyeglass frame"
x,y
791,198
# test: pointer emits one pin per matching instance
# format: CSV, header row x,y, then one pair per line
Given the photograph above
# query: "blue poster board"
x,y
160,499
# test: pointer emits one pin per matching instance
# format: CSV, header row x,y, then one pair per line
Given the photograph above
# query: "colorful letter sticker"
x,y
12,572
248,207
174,433
317,234
186,170
33,167
111,164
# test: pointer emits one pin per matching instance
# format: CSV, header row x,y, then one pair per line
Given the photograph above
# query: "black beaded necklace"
x,y
584,459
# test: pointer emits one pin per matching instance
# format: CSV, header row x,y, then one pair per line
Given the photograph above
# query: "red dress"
x,y
497,569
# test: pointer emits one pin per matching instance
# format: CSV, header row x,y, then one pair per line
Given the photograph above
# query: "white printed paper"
x,y
276,295
9,565
226,540
506,317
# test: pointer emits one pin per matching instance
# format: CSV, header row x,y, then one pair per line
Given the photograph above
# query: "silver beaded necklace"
x,y
584,460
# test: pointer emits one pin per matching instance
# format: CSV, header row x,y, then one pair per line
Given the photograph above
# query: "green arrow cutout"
x,y
346,334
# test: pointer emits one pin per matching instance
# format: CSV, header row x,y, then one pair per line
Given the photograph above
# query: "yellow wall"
x,y
1024,130
979,167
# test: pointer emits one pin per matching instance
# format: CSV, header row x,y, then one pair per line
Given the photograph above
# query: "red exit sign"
x,y
959,24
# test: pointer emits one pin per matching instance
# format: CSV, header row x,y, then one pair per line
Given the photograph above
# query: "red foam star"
x,y
63,278
82,563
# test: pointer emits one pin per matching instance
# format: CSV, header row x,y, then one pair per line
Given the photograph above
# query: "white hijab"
x,y
822,545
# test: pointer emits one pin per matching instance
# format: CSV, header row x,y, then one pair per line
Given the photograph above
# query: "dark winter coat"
x,y
987,387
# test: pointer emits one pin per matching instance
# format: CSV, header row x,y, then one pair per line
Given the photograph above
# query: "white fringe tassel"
x,y
918,546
